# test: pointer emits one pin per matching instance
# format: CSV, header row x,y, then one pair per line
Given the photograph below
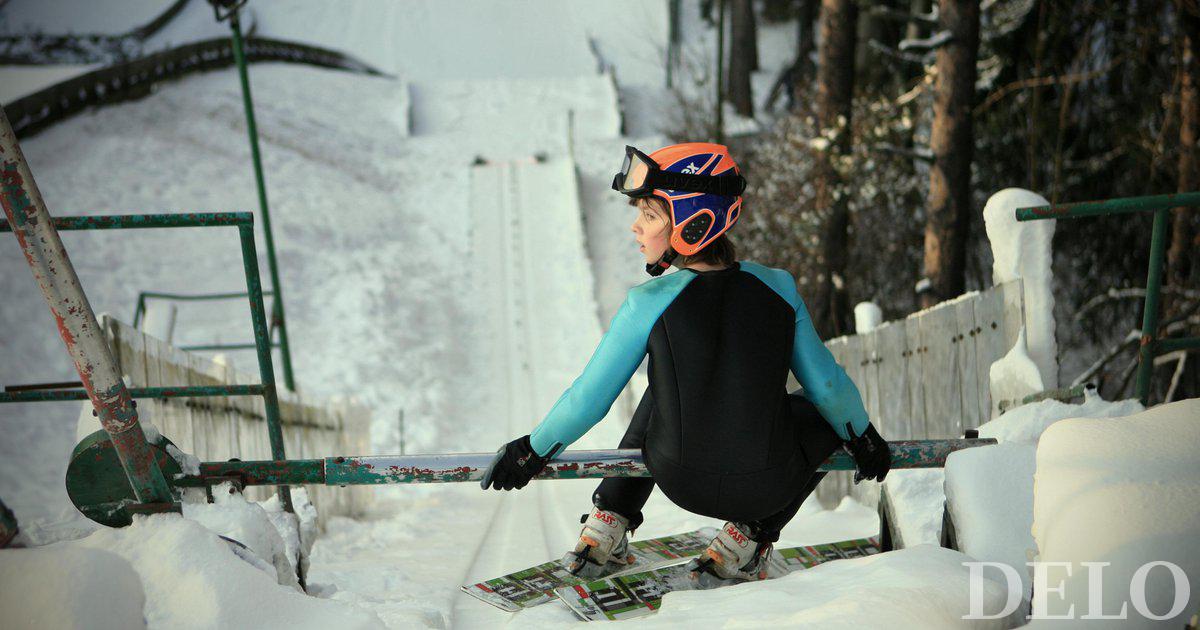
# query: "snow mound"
x,y
921,587
1140,478
1027,422
193,579
990,490
916,499
232,516
68,587
1013,376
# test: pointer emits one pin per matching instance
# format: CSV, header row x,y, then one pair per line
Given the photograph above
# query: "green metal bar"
x,y
140,221
1163,346
223,346
277,315
140,309
52,395
258,473
262,338
1158,245
1153,203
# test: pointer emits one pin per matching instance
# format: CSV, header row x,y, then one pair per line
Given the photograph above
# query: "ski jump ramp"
x,y
534,284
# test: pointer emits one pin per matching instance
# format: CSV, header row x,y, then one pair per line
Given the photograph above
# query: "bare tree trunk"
x,y
1185,241
743,53
805,45
835,91
946,227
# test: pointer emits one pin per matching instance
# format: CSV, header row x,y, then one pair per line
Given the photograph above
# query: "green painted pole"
x,y
145,221
1151,203
266,369
720,79
194,391
1146,352
277,316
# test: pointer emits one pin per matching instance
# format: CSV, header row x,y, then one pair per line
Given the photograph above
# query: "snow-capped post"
x,y
228,10
1023,250
30,221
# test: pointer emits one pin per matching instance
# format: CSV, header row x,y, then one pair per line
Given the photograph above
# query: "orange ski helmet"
x,y
700,183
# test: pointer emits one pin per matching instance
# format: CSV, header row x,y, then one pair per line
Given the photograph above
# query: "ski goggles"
x,y
640,175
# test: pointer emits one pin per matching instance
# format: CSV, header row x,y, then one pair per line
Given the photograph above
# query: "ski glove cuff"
x,y
872,457
514,465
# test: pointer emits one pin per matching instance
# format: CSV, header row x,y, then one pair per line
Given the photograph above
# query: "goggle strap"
x,y
730,186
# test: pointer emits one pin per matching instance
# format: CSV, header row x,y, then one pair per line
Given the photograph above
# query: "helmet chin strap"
x,y
663,264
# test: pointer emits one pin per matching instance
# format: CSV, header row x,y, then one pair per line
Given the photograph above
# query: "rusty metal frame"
x,y
51,266
244,222
1150,346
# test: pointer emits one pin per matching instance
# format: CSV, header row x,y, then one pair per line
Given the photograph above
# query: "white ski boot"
x,y
732,556
603,546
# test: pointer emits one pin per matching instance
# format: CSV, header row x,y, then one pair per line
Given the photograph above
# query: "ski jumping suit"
x,y
718,430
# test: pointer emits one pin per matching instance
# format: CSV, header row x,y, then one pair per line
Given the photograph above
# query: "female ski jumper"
x,y
719,433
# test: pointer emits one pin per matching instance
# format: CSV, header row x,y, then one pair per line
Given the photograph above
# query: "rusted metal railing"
x,y
1161,206
31,223
244,222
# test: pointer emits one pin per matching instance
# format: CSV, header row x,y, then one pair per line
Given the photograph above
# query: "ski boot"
x,y
603,546
733,556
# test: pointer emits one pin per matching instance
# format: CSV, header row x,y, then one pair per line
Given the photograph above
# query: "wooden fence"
x,y
926,376
220,428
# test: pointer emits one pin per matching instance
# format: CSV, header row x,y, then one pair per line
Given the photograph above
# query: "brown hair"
x,y
720,252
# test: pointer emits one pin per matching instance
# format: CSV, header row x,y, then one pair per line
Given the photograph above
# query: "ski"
x,y
638,594
535,585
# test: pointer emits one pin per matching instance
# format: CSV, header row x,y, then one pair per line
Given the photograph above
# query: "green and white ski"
x,y
638,594
535,585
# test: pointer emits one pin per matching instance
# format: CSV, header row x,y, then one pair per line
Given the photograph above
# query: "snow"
x,y
62,17
1013,376
1022,250
449,248
916,497
66,586
867,317
21,81
990,490
190,579
1140,478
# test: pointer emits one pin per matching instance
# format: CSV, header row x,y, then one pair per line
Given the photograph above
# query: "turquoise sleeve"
x,y
825,382
618,354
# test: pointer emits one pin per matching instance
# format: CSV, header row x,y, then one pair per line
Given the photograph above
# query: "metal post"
x,y
31,223
263,341
720,131
277,317
1158,244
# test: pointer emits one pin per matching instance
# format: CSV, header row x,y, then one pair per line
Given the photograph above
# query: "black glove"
x,y
872,457
514,465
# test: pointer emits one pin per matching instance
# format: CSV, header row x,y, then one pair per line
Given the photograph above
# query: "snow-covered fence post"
x,y
1022,250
